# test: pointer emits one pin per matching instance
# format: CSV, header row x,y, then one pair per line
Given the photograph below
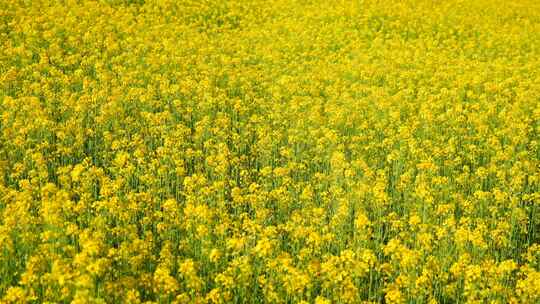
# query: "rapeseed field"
x,y
301,151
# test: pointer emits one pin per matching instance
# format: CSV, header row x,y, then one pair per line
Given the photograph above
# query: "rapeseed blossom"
x,y
160,151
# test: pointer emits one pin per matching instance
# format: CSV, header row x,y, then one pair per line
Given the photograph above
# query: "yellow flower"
x,y
322,300
214,255
394,295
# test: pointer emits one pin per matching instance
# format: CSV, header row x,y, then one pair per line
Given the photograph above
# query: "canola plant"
x,y
304,151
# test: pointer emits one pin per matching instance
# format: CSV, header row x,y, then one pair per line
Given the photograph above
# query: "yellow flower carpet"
x,y
279,151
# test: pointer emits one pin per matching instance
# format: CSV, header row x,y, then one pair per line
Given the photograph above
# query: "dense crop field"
x,y
303,151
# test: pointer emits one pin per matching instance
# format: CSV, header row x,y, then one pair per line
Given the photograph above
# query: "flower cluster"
x,y
216,151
